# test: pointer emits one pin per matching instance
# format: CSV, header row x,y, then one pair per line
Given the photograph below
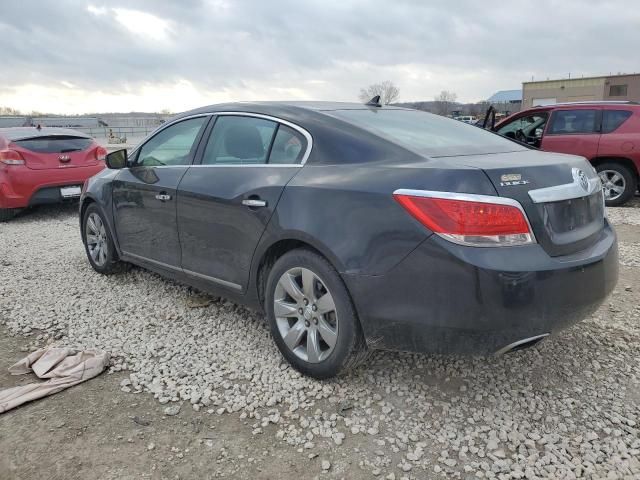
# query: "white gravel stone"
x,y
567,408
172,410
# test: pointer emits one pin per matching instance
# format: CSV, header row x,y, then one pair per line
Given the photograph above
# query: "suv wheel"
x,y
98,242
312,318
618,182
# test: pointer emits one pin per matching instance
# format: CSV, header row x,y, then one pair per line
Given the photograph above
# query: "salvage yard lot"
x,y
569,407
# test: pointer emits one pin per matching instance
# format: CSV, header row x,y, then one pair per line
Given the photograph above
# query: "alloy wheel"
x,y
96,236
613,184
305,314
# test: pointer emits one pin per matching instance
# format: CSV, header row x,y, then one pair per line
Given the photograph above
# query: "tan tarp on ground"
x,y
62,366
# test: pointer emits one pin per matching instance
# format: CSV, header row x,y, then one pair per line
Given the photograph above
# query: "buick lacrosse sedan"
x,y
359,227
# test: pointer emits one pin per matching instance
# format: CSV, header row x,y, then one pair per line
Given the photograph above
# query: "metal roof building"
x,y
506,96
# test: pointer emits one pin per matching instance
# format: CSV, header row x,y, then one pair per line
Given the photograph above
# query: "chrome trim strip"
x,y
259,165
470,197
232,285
513,345
567,191
224,283
304,132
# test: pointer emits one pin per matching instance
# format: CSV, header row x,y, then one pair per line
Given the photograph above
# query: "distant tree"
x,y
479,109
444,102
387,90
9,111
166,111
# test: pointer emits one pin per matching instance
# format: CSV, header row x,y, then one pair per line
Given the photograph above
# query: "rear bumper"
x,y
446,298
22,187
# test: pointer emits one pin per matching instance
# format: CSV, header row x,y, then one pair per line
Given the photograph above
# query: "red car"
x,y
46,165
606,133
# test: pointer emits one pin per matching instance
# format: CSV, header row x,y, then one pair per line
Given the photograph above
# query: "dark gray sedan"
x,y
359,227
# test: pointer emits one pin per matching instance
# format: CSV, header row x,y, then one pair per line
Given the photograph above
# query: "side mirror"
x,y
538,133
117,159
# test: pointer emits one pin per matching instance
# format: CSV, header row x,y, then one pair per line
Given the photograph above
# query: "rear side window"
x,y
288,147
612,119
55,144
566,122
239,140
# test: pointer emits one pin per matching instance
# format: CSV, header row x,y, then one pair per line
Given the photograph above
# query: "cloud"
x,y
173,54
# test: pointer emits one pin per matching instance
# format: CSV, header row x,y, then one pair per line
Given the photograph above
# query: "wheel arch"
x,y
627,162
275,249
85,202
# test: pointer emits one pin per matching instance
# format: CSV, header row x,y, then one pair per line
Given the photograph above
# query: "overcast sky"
x,y
74,56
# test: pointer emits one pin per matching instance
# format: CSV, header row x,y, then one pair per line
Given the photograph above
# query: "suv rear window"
x,y
612,119
55,144
427,133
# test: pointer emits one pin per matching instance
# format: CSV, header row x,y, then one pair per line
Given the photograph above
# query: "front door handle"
x,y
163,197
254,202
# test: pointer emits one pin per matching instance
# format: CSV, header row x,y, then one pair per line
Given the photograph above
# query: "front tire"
x,y
618,182
312,318
98,242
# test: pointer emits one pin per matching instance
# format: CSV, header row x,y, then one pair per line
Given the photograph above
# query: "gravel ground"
x,y
567,408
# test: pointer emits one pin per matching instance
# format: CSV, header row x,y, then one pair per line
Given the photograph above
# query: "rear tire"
x,y
98,242
619,183
315,315
7,214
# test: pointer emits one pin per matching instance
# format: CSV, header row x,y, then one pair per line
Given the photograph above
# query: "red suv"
x,y
606,133
46,165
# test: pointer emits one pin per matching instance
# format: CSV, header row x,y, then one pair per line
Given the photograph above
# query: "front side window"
x,y
567,122
612,119
239,140
526,127
171,146
288,147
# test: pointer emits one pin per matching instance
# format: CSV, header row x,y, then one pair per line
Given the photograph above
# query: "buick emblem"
x,y
583,180
64,158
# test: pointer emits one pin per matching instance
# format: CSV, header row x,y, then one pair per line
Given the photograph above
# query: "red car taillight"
x,y
11,157
475,220
101,154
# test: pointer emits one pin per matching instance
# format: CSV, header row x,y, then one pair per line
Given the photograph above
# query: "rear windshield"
x,y
426,133
55,144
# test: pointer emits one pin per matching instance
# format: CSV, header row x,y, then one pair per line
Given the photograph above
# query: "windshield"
x,y
426,133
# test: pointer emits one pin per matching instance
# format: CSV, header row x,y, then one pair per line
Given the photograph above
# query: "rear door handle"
x,y
163,197
254,202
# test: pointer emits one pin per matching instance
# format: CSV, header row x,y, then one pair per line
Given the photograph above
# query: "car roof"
x,y
286,110
23,133
614,104
317,106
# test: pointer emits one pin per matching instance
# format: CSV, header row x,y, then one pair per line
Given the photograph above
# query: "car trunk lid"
x,y
56,151
561,195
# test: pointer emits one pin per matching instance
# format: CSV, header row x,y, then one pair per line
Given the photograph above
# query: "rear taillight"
x,y
475,220
11,157
101,154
